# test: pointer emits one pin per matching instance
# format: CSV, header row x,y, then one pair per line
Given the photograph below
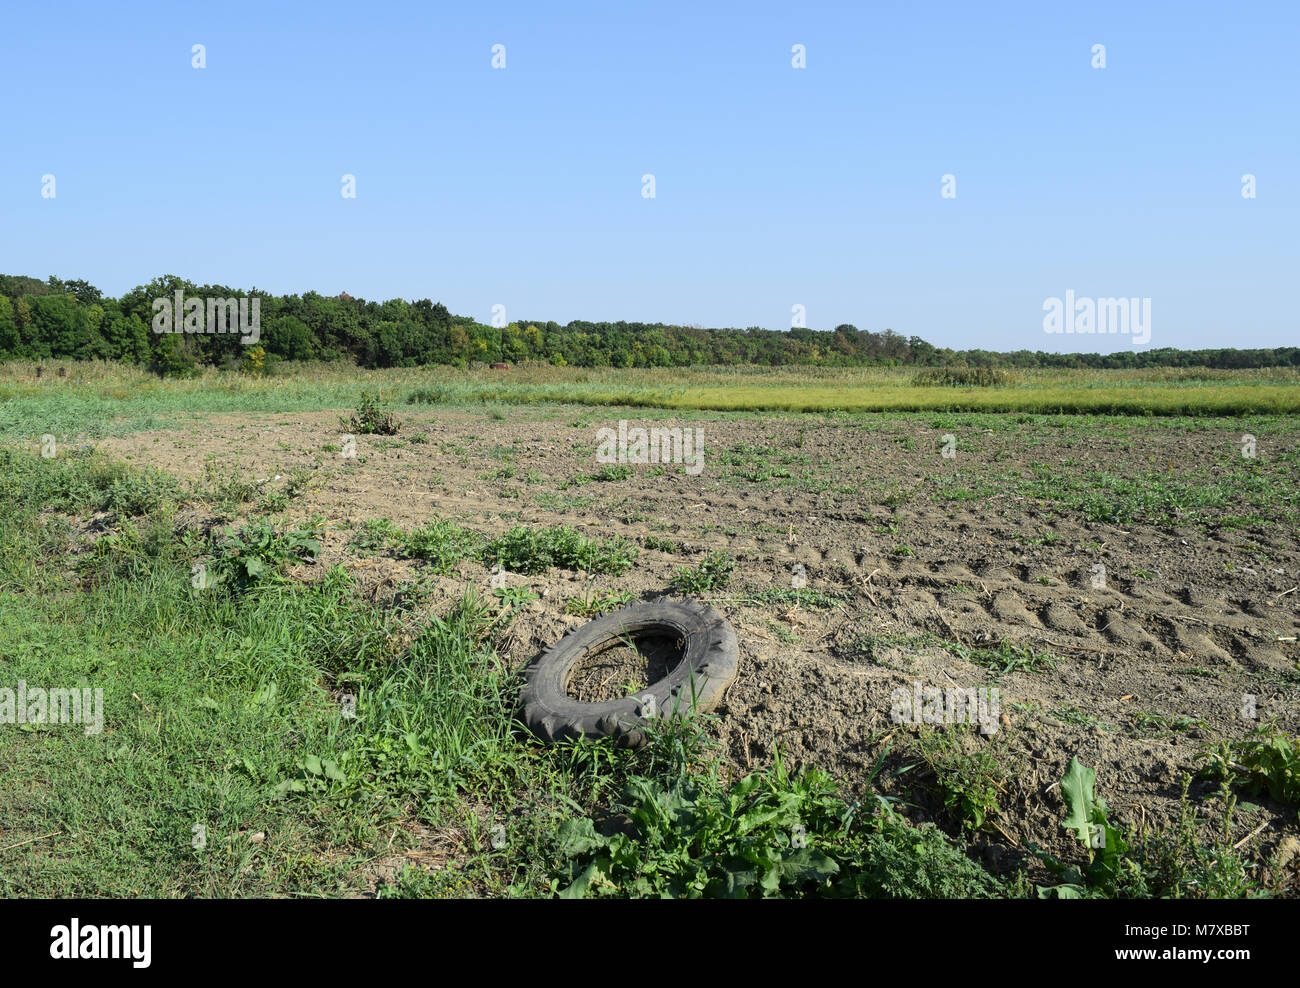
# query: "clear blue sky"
x,y
775,186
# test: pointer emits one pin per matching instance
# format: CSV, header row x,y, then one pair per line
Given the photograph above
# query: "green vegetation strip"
x,y
267,737
102,399
262,736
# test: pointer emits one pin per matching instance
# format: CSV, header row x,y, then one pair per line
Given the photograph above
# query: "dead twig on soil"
x,y
1004,833
1074,648
761,634
374,591
866,590
1237,846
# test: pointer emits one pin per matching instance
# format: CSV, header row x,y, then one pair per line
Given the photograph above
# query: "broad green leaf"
x,y
1060,892
578,837
578,890
1077,790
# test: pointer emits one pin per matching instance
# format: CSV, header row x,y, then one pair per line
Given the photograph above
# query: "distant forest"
x,y
56,318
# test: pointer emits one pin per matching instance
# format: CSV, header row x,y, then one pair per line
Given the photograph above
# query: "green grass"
x,y
712,573
100,399
773,834
265,736
966,777
528,551
439,542
1226,492
1001,659
1266,762
595,602
443,543
370,418
809,597
657,543
1149,863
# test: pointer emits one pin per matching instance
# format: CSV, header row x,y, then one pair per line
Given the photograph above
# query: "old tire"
x,y
709,658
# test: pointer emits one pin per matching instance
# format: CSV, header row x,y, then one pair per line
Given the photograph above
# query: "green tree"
x,y
10,339
61,328
289,338
127,339
175,356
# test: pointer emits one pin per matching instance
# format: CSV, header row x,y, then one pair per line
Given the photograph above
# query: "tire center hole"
x,y
624,666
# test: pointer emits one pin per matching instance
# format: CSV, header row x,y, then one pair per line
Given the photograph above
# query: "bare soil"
x,y
1193,626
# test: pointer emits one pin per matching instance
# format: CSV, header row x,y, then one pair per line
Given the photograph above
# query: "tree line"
x,y
74,319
